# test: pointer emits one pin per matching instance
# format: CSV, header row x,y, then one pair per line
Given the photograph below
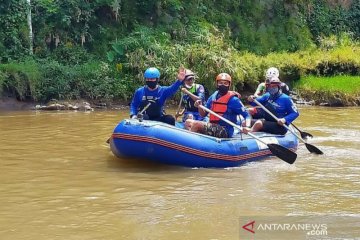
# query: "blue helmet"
x,y
152,73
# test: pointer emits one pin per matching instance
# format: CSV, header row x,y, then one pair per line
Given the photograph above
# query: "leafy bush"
x,y
48,79
21,78
70,54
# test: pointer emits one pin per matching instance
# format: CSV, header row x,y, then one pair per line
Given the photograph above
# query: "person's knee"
x,y
258,125
188,124
197,126
169,119
145,117
282,130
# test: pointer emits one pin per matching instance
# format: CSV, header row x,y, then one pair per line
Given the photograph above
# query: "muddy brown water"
x,y
59,180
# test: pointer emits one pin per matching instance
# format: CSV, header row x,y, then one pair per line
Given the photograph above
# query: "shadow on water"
x,y
141,165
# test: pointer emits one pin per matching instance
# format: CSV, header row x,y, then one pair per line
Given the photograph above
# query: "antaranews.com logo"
x,y
299,227
311,229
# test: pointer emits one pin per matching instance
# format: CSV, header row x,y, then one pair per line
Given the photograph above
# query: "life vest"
x,y
188,101
219,106
154,110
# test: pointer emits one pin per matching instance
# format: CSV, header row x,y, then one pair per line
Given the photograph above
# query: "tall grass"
x,y
345,84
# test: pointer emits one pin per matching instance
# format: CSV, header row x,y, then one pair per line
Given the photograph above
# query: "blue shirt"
x,y
282,104
160,94
234,108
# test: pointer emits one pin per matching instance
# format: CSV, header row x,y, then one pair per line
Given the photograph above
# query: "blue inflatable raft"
x,y
156,141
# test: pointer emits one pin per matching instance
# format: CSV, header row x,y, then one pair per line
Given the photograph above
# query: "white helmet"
x,y
272,72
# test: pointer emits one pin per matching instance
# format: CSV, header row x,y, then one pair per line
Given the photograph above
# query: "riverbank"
x,y
12,104
330,99
336,91
306,97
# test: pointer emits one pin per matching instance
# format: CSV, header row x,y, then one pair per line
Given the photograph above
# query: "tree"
x,y
30,27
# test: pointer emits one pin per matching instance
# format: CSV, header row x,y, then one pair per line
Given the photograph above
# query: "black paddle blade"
x,y
313,149
305,135
283,153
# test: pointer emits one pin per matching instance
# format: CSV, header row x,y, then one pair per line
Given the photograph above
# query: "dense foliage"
x,y
99,49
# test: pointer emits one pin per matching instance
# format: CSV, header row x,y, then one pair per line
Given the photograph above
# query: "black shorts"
x,y
273,127
215,130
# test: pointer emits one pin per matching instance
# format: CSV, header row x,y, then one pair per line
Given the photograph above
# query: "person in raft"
x,y
279,104
190,111
224,102
152,96
271,72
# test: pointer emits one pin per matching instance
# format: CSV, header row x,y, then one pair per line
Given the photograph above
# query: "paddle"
x,y
276,149
193,96
140,119
304,135
177,114
310,147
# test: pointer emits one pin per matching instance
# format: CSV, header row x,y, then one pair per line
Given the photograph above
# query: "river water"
x,y
59,180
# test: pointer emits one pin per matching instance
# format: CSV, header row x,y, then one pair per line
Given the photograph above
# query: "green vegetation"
x,y
332,91
345,84
42,80
99,49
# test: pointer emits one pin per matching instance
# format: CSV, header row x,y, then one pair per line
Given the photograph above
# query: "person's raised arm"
x,y
171,90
